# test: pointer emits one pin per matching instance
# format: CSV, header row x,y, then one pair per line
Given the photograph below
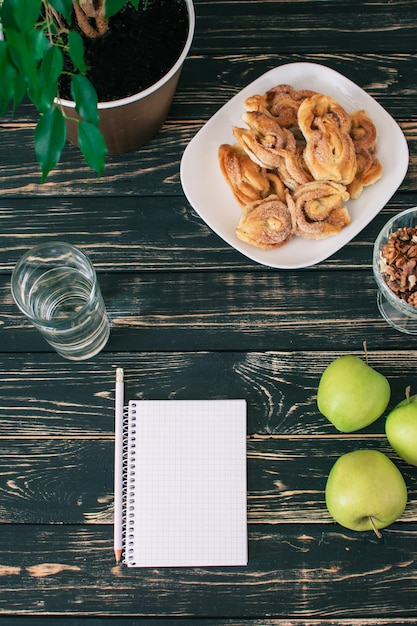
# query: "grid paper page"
x,y
187,483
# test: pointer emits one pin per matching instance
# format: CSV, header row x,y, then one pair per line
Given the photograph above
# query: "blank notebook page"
x,y
186,483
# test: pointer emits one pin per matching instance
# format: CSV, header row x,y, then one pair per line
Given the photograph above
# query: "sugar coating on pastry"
x,y
295,165
319,198
273,147
280,102
248,180
368,171
362,130
329,152
266,223
318,209
368,166
264,141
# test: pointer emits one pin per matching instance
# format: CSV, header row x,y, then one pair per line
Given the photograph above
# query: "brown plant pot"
x,y
129,123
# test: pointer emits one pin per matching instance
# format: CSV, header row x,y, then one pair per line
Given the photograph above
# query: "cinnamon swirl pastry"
x,y
248,181
265,140
293,170
300,159
368,167
329,152
318,211
362,130
368,171
281,102
266,223
273,147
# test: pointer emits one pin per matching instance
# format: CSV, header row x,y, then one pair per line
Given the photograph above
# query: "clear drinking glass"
x,y
55,286
398,313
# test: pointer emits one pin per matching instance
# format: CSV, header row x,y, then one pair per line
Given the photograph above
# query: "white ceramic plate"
x,y
211,197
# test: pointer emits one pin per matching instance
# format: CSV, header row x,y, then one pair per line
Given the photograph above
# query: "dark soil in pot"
x,y
139,49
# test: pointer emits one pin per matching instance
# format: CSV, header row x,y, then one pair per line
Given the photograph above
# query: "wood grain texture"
x,y
156,234
58,466
227,310
71,481
193,318
43,397
207,82
291,561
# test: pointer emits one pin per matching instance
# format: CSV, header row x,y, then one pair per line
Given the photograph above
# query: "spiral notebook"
x,y
184,483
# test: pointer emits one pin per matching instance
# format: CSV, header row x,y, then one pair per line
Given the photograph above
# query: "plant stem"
x,y
376,531
86,13
365,349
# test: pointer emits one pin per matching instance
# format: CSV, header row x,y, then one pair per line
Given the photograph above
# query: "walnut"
x,y
412,299
399,264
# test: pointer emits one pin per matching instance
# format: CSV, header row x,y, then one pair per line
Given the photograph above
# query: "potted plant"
x,y
55,52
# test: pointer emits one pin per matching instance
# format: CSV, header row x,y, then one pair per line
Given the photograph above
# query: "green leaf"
x,y
21,55
53,64
114,6
38,43
92,145
50,136
6,15
12,88
85,98
50,71
20,15
76,51
8,76
25,52
64,7
20,90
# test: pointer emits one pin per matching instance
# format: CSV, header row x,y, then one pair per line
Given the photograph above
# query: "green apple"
x,y
351,394
401,429
365,491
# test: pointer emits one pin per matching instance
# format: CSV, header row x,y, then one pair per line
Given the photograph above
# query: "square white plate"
x,y
212,198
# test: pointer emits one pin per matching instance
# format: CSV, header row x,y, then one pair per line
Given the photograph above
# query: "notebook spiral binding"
x,y
129,471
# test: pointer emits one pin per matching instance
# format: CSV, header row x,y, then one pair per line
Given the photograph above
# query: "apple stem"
x,y
365,349
376,531
407,393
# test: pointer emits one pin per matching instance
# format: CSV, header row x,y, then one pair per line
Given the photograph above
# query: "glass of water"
x,y
55,286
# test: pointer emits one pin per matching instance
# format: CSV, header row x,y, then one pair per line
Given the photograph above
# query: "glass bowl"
x,y
396,311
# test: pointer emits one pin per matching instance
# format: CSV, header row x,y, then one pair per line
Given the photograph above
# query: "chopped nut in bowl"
x,y
395,271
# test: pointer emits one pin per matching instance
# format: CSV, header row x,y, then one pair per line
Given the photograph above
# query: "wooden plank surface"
x,y
285,562
43,397
193,318
153,234
260,311
71,480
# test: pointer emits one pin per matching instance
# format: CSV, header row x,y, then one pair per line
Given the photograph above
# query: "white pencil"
x,y
118,464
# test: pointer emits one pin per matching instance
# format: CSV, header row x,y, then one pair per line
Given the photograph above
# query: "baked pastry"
x,y
296,165
318,209
248,180
362,130
273,147
329,151
368,171
368,167
280,102
265,140
293,170
266,223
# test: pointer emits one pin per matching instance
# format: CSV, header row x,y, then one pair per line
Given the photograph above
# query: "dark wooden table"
x,y
193,318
